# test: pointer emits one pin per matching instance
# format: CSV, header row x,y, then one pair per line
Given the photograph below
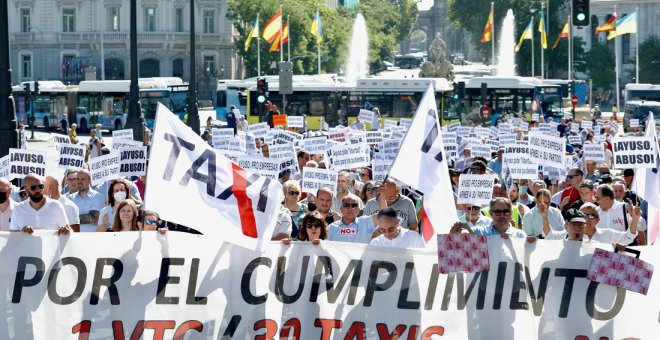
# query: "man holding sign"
x,y
39,212
500,212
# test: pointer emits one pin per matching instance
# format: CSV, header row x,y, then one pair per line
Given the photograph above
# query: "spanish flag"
x,y
253,33
272,28
487,34
544,37
317,29
625,25
563,34
608,26
285,38
526,35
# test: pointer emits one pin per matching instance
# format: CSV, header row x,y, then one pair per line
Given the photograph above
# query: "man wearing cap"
x,y
574,228
351,228
401,204
542,214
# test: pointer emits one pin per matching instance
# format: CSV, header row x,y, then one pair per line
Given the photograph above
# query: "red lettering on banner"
x,y
186,326
326,326
248,222
159,327
291,325
347,231
433,330
412,332
83,328
357,331
269,325
384,333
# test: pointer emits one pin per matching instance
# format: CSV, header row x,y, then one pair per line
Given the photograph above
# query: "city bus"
x,y
517,96
639,109
641,92
48,106
326,98
105,102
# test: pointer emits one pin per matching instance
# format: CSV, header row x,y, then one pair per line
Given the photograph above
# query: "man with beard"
x,y
343,185
324,205
89,202
39,212
7,205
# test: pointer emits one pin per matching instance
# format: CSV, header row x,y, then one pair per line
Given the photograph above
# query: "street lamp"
x,y
43,69
222,71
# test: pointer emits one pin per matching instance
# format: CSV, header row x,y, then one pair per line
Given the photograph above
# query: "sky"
x,y
424,5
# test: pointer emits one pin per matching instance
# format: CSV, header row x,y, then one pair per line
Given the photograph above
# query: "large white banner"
x,y
151,286
193,184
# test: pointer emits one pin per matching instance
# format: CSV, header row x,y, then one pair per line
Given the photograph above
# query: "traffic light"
x,y
461,90
454,92
580,12
26,89
571,87
262,88
36,87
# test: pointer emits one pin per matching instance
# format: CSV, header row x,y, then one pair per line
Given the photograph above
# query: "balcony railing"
x,y
89,37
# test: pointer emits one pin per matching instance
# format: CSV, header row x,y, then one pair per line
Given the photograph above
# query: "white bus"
x,y
639,109
48,106
641,92
105,102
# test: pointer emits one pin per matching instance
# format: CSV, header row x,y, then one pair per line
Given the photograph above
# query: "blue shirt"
x,y
359,231
490,231
93,200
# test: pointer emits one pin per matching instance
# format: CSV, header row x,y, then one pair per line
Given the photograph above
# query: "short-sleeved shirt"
x,y
5,216
70,209
490,231
50,216
110,212
359,231
532,222
406,239
93,200
404,206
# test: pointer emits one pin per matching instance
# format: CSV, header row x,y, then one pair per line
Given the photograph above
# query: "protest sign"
x,y
285,136
262,166
342,157
614,127
60,139
475,189
462,253
463,131
494,132
535,117
390,146
123,134
405,122
259,129
71,157
297,122
4,167
279,120
480,150
218,134
634,123
520,164
574,140
586,124
288,164
366,116
634,152
374,137
380,168
314,179
389,123
280,151
482,132
524,126
357,137
545,128
449,138
594,152
105,168
575,128
547,150
453,127
504,128
315,144
133,161
451,149
507,139
118,143
397,133
23,162
493,144
339,135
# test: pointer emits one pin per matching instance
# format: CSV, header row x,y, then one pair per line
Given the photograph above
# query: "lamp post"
x,y
43,68
134,120
8,131
193,114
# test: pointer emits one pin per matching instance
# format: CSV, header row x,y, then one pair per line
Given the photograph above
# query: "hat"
x,y
574,215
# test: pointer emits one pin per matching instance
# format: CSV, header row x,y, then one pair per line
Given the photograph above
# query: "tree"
x,y
649,61
600,64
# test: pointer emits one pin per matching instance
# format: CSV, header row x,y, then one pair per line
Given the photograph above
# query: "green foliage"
x,y
649,51
600,64
388,23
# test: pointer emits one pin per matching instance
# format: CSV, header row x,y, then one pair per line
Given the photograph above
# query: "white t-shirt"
x,y
406,239
613,218
71,210
50,216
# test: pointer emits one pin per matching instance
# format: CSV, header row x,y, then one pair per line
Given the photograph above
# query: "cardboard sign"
x,y
547,150
366,116
123,134
480,150
259,129
262,166
494,132
634,152
505,128
341,157
575,128
482,132
380,168
105,168
358,137
619,270
586,124
60,139
574,140
4,167
634,123
279,120
535,117
475,189
280,151
284,137
218,134
453,127
493,144
451,149
133,161
507,139
374,137
120,143
71,157
463,131
390,146
462,253
23,162
519,163
314,179
389,123
405,122
297,122
339,135
594,152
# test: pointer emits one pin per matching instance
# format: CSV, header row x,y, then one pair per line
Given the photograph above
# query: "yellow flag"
x,y
544,37
526,34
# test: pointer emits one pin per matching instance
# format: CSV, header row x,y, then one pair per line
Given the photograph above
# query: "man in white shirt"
x,y
612,212
88,201
392,235
7,204
52,190
39,211
474,218
605,235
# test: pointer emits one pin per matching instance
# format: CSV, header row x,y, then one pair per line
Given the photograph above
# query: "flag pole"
x,y
570,45
281,24
637,47
318,40
531,21
616,68
288,43
544,32
258,48
492,32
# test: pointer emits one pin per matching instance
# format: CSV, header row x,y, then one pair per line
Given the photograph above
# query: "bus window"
x,y
221,99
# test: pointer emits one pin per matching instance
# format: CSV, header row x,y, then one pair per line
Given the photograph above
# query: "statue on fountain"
x,y
437,66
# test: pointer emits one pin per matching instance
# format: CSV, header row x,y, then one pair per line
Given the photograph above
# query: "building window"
x,y
68,20
25,20
209,65
149,19
26,66
113,19
178,20
209,21
177,68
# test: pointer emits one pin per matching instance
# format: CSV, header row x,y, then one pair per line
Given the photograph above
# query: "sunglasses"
x,y
501,212
150,222
294,193
591,216
570,176
313,225
350,205
34,187
473,170
473,208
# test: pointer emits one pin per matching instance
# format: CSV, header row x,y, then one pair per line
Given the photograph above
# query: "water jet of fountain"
x,y
358,56
506,56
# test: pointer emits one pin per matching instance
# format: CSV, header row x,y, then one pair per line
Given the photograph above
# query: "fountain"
x,y
357,65
506,57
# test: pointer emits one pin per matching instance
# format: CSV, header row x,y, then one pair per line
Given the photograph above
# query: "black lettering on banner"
x,y
403,302
164,279
80,281
191,299
373,286
518,285
21,281
462,299
432,136
207,156
499,285
247,295
174,154
279,280
323,269
570,275
99,280
537,300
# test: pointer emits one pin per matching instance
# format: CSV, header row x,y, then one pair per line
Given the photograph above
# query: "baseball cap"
x,y
574,215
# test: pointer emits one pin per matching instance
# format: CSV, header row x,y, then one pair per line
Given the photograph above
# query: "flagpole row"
x,y
492,39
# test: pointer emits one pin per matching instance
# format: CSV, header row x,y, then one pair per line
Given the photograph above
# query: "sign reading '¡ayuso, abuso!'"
x,y
164,286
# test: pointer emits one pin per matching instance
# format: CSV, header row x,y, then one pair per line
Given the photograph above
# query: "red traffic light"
x,y
574,101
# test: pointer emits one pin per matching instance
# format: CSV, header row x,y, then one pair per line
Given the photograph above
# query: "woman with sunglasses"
x,y
292,194
151,222
126,217
314,229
